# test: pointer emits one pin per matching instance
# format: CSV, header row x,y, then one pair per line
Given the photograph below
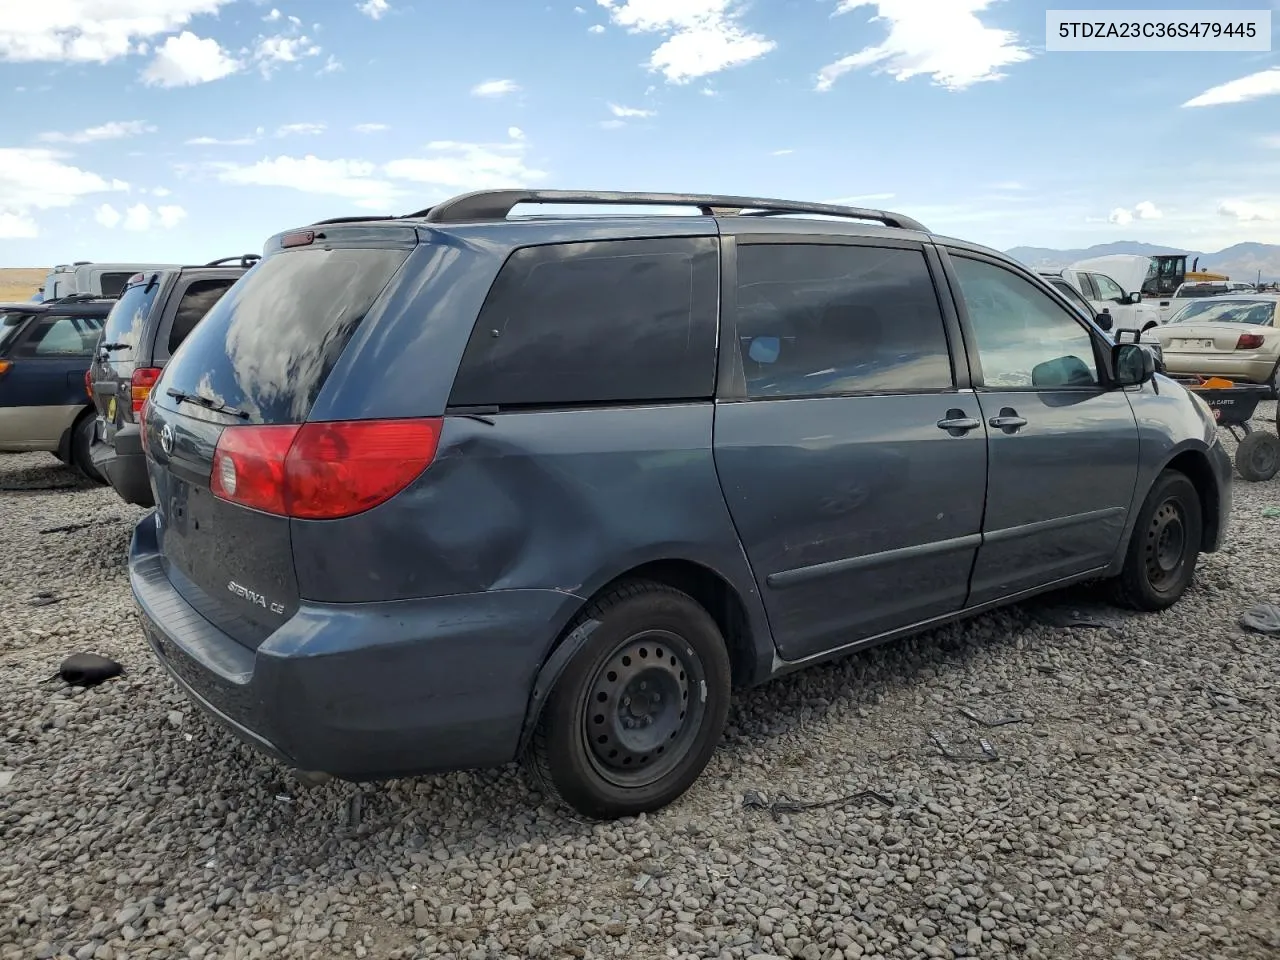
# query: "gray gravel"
x,y
1134,811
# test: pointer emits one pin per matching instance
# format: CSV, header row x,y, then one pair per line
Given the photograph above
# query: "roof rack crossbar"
x,y
244,259
498,204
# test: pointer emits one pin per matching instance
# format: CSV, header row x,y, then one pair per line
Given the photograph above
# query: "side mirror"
x,y
1134,299
1132,364
1103,320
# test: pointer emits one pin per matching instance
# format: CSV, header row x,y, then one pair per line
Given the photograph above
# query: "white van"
x,y
95,279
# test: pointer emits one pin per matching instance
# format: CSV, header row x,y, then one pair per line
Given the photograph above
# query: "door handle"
x,y
958,423
1008,420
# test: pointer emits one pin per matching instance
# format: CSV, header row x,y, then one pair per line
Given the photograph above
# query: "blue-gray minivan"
x,y
462,487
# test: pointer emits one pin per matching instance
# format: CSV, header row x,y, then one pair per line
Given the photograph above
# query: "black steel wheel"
x,y
638,711
1258,456
1165,545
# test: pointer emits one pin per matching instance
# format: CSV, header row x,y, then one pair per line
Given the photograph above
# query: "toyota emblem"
x,y
166,438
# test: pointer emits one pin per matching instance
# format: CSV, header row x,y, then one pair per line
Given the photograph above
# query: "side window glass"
x,y
1086,286
618,321
1025,339
65,337
1073,296
823,320
199,297
1108,289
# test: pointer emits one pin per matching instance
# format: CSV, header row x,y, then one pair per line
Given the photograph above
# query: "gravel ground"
x,y
1133,811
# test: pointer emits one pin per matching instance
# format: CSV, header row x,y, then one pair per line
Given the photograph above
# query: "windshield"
x,y
1205,290
1257,312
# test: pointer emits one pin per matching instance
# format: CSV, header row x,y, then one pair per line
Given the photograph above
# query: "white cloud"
x,y
169,216
374,9
160,191
17,226
138,218
451,165
782,153
301,129
702,36
332,65
1246,211
107,215
596,28
1266,83
370,127
187,60
91,30
215,142
39,179
628,112
515,133
270,53
1146,210
941,39
579,10
273,16
1273,141
495,88
355,180
114,130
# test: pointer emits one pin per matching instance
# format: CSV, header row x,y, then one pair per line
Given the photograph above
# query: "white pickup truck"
x,y
1114,285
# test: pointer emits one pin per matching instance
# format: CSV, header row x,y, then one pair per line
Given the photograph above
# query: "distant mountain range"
x,y
1240,262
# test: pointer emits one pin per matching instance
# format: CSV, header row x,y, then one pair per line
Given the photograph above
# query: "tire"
x,y
81,444
592,749
1258,456
1165,545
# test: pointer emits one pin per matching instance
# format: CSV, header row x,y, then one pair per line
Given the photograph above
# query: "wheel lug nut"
x,y
626,701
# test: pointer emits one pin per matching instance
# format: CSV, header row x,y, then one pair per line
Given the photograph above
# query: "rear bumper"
x,y
1232,368
124,465
360,691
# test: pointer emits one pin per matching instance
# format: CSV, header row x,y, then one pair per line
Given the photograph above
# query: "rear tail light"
x,y
4,367
144,378
321,471
1250,341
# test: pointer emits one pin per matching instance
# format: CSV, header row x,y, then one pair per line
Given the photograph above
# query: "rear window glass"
x,y
63,337
196,301
113,283
267,346
619,321
1258,312
127,318
1208,290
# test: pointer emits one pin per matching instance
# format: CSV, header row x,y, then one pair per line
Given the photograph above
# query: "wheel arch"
x,y
1194,465
747,639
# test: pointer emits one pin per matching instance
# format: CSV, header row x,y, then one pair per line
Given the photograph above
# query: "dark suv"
x,y
45,351
155,313
454,488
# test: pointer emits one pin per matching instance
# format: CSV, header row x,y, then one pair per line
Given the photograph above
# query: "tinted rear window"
x,y
267,346
620,321
196,301
128,318
113,283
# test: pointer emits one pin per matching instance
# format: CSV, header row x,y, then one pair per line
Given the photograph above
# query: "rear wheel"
x,y
81,445
636,715
1258,456
1165,545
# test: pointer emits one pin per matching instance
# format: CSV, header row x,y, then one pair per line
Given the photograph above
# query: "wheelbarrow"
x,y
1233,405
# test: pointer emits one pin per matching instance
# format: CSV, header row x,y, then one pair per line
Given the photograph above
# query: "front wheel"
x,y
1164,547
637,713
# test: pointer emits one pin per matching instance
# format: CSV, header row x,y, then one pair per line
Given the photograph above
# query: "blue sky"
x,y
193,129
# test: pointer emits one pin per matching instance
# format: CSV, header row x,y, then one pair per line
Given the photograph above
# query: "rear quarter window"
x,y
197,300
619,321
127,320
